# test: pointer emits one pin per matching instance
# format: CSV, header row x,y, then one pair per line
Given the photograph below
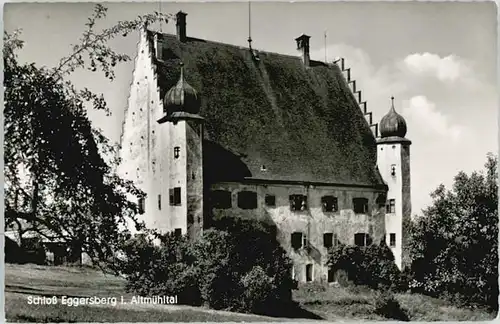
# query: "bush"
x,y
237,265
386,305
166,269
454,246
257,288
13,252
372,266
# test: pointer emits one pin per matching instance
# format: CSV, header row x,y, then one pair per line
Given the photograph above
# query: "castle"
x,y
214,130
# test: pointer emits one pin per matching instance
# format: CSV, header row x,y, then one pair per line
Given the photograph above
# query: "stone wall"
x,y
313,222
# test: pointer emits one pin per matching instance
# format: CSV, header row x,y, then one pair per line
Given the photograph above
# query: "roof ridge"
x,y
259,51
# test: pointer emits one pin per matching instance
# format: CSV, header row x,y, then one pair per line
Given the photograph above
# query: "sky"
x,y
439,61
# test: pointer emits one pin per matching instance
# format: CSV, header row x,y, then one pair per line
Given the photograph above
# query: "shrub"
x,y
372,266
257,290
386,305
454,246
160,269
13,252
237,265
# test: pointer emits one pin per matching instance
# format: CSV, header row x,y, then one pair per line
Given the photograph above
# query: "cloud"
x,y
423,114
377,83
428,89
447,69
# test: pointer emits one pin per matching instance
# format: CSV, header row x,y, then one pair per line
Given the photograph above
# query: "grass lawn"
x,y
333,303
22,281
356,303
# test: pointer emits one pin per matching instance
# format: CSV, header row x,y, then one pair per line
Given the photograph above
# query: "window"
x,y
360,205
391,206
331,275
335,240
221,199
362,239
309,272
270,200
296,240
177,152
175,196
298,202
159,202
328,240
142,205
247,200
393,170
178,232
329,204
392,240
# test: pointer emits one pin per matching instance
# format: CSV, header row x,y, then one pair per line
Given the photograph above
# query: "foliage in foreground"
x,y
372,266
237,265
60,183
454,245
386,305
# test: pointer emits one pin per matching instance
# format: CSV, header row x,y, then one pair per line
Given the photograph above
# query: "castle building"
x,y
216,130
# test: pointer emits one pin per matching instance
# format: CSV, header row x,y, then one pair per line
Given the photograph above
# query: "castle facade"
x,y
215,130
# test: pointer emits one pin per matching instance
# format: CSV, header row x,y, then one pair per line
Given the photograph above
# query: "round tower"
x,y
393,159
182,152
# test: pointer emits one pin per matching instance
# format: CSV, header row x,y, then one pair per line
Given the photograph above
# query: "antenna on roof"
x,y
159,9
250,24
325,48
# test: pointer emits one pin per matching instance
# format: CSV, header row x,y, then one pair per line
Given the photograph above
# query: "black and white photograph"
x,y
250,161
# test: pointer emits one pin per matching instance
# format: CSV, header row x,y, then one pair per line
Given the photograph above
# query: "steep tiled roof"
x,y
297,123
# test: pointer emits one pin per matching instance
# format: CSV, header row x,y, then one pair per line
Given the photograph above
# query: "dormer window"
x,y
177,151
329,204
298,202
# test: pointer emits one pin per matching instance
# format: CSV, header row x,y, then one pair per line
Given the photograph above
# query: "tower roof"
x,y
392,124
182,97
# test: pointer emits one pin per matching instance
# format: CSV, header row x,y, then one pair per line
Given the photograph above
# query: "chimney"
x,y
181,26
303,47
158,43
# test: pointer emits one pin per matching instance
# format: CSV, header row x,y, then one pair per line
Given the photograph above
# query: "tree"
x,y
237,265
59,169
454,246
